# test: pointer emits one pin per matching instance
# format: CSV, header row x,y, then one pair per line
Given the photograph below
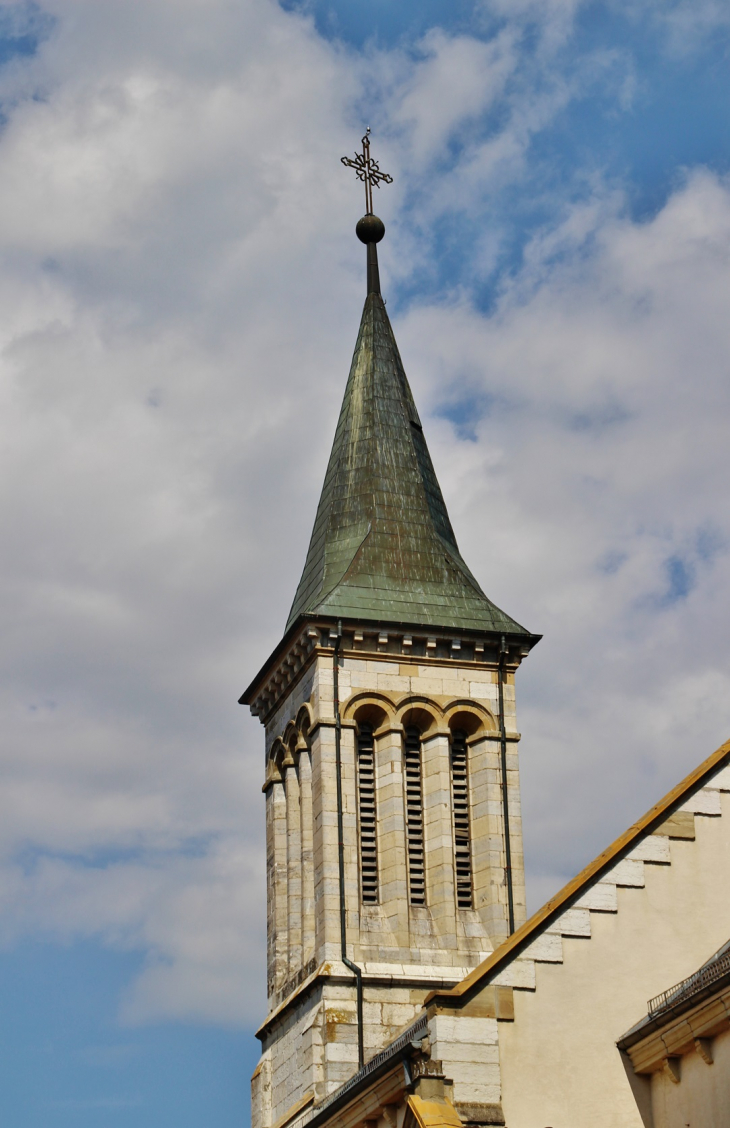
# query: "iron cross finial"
x,y
368,171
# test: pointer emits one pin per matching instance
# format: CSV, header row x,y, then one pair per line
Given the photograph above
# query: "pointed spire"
x,y
382,547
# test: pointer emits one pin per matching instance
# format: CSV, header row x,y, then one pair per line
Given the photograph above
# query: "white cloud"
x,y
457,80
180,289
196,916
598,477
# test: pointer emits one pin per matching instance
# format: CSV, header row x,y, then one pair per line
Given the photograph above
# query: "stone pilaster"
x,y
326,868
278,884
392,873
293,869
487,830
305,786
439,838
350,837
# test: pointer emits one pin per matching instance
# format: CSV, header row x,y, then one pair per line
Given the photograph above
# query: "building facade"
x,y
668,1053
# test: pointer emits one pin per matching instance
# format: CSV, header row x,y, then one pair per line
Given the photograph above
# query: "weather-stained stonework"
x,y
405,950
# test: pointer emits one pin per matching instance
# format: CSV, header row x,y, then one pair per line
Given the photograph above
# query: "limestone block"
x,y
480,1077
393,683
546,948
425,971
397,1015
361,679
628,872
383,969
400,995
342,1052
720,780
467,1053
447,1029
428,686
473,928
574,922
339,1072
453,688
601,898
339,993
342,1032
704,802
653,848
519,973
376,667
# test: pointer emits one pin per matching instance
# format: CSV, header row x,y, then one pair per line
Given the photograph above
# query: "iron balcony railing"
x,y
707,975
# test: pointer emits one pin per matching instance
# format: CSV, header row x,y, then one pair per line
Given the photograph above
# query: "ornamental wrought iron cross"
x,y
368,171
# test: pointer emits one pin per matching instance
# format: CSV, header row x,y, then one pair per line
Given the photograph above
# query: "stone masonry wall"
x,y
404,949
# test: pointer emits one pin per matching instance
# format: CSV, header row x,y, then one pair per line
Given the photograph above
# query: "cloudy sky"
x,y
180,289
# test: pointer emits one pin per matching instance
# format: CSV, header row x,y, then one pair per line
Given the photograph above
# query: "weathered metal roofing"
x,y
382,547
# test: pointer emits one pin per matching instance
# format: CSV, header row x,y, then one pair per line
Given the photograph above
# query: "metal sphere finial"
x,y
370,229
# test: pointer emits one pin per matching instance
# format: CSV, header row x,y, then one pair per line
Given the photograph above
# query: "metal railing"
x,y
712,971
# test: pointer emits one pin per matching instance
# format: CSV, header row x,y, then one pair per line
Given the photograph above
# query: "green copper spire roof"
x,y
383,548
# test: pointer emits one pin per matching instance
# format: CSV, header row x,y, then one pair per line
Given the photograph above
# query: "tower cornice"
x,y
315,635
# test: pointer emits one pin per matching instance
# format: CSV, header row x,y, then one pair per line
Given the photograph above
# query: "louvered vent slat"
x,y
462,837
367,815
414,817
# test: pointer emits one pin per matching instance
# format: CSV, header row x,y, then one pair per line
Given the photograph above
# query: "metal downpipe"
x,y
505,798
341,849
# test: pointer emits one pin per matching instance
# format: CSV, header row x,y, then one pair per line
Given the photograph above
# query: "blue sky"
x,y
67,1061
181,289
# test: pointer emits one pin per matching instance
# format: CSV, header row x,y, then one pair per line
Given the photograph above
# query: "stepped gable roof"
x,y
569,894
383,547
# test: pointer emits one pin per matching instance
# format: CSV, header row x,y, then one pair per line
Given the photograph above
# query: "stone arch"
x,y
425,714
291,742
474,719
375,709
304,721
274,762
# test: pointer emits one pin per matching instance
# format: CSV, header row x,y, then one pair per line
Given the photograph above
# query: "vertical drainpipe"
x,y
505,798
341,848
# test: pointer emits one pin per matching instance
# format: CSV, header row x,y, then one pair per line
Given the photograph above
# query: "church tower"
x,y
393,827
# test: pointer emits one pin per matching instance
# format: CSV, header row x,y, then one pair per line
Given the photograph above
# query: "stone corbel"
x,y
673,1068
704,1049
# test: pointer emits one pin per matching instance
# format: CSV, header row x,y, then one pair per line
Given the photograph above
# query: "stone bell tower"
x,y
393,827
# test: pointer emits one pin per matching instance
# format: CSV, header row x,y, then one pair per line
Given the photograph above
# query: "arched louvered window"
x,y
414,817
460,806
367,815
